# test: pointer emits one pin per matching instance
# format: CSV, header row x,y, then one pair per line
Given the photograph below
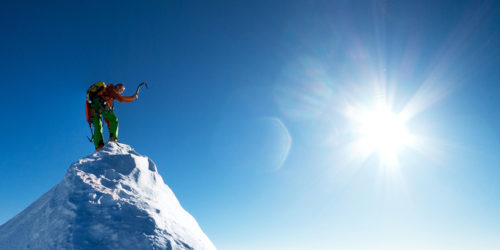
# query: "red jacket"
x,y
109,94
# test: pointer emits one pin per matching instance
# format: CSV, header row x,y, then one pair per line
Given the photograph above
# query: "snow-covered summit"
x,y
112,199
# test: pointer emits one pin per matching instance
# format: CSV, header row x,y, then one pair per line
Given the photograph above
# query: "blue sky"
x,y
253,108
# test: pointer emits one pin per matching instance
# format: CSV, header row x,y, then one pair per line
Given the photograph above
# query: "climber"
x,y
99,103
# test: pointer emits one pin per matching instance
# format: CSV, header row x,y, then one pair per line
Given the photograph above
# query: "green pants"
x,y
111,121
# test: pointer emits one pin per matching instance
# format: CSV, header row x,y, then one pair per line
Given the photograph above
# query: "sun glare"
x,y
379,130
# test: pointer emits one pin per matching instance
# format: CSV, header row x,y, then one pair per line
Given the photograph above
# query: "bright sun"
x,y
379,130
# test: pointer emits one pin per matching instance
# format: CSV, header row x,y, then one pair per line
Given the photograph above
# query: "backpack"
x,y
93,92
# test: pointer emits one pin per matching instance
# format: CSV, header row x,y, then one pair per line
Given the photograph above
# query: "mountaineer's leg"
x,y
112,122
98,141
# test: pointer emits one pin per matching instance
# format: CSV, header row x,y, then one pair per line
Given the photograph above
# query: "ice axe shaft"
x,y
139,87
92,133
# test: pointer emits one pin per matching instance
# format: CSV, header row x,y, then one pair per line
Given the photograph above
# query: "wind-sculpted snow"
x,y
112,199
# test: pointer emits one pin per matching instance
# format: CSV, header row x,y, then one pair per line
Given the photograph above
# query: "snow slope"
x,y
112,199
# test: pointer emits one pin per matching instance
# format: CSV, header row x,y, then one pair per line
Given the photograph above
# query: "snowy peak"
x,y
112,199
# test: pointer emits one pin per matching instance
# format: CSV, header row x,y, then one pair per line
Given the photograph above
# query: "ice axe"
x,y
91,132
139,87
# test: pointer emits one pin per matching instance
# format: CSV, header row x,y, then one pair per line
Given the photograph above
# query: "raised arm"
x,y
120,98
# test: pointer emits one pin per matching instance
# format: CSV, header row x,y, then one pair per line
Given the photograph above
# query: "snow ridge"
x,y
112,199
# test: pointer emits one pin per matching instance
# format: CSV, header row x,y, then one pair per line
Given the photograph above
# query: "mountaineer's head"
x,y
120,88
